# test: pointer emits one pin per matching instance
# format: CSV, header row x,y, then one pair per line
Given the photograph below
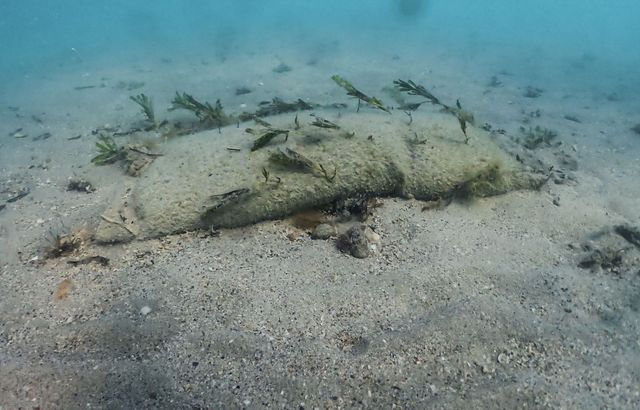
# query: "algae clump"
x,y
146,105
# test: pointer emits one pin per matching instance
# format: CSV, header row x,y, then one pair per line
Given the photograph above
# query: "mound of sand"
x,y
200,182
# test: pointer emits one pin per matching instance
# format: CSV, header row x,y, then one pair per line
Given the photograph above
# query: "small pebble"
x,y
503,358
145,310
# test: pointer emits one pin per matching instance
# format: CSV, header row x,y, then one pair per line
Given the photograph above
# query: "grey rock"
x,y
323,231
357,241
205,191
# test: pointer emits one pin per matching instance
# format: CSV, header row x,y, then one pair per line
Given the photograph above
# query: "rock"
x,y
373,238
503,358
145,310
323,231
198,185
359,241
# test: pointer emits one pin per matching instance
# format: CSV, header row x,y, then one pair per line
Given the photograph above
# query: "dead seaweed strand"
x,y
354,92
463,116
412,88
410,115
139,151
326,174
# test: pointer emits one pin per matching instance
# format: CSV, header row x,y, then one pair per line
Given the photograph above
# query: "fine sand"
x,y
480,304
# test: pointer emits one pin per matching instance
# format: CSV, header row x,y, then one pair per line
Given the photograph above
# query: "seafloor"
x,y
529,299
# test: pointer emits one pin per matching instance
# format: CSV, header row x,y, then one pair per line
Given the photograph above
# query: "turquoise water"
x,y
528,300
42,36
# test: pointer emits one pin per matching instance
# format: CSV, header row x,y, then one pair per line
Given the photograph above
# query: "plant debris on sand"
x,y
146,104
266,136
213,115
411,88
537,137
275,107
354,92
108,151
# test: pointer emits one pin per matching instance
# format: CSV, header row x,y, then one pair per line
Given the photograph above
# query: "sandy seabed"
x,y
480,304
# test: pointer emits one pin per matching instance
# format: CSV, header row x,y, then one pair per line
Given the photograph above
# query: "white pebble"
x,y
503,358
145,310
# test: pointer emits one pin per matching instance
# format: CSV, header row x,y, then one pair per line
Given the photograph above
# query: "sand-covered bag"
x,y
222,179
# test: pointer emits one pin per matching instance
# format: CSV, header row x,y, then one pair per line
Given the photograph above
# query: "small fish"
x,y
266,137
42,136
228,197
260,121
322,123
84,261
20,195
63,289
84,87
292,159
463,125
411,106
18,133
